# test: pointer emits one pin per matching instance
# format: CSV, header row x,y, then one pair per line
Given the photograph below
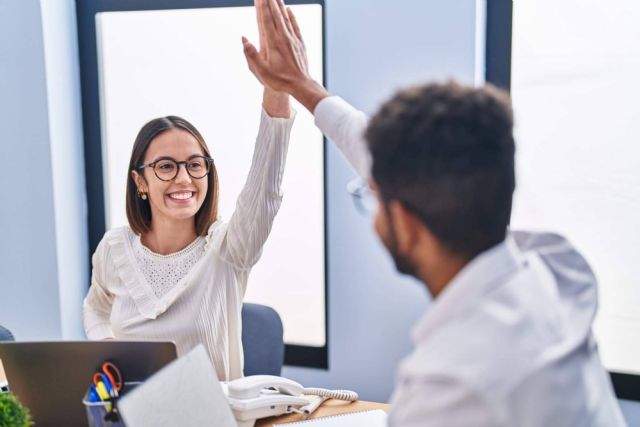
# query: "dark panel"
x,y
311,357
498,43
626,386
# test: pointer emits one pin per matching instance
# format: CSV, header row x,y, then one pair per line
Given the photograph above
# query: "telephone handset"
x,y
260,396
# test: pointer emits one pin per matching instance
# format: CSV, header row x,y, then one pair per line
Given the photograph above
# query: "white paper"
x,y
184,393
374,418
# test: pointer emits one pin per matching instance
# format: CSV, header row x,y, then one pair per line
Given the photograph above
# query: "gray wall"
x,y
28,273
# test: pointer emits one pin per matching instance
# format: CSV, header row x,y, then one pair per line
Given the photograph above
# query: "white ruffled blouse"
x,y
203,306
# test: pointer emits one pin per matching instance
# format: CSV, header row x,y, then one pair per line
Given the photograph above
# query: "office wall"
x,y
43,267
375,47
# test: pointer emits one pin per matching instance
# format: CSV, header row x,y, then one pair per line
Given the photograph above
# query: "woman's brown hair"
x,y
138,210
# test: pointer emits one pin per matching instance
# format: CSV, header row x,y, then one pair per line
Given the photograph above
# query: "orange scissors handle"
x,y
113,374
97,377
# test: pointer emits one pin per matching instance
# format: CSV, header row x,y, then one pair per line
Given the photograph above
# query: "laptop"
x,y
51,378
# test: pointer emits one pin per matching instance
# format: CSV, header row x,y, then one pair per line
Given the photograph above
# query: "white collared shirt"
x,y
508,342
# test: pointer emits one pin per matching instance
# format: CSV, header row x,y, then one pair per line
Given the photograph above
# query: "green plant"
x,y
12,413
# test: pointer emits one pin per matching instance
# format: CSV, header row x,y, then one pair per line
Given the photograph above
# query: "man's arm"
x,y
345,126
282,64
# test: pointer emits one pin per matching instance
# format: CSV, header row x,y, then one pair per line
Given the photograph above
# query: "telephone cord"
x,y
333,394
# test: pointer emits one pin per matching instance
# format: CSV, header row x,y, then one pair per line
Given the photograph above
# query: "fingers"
x,y
294,24
254,60
276,16
265,18
262,24
285,17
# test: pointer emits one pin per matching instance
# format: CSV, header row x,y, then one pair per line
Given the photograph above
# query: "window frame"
x,y
295,355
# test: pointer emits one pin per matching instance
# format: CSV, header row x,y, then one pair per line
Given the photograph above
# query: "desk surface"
x,y
330,407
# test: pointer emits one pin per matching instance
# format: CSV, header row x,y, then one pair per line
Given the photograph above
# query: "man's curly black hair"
x,y
446,152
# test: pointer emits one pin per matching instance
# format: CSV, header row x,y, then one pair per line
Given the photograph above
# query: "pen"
x,y
101,389
110,388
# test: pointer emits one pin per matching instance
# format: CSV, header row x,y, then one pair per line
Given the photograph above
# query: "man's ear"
x,y
141,183
406,226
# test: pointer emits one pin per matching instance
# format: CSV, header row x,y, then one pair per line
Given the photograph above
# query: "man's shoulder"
x,y
498,342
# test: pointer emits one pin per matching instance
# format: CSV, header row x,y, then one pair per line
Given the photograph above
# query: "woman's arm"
x,y
276,104
261,196
96,310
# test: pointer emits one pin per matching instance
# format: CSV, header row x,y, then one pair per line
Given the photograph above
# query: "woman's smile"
x,y
182,197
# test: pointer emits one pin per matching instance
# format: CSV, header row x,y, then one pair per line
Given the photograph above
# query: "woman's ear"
x,y
140,181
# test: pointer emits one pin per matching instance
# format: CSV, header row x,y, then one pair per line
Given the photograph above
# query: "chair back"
x,y
5,334
262,340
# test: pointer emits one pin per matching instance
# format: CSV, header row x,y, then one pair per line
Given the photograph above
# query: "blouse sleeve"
x,y
96,310
260,197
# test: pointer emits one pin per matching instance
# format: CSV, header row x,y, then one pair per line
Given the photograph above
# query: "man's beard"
x,y
403,264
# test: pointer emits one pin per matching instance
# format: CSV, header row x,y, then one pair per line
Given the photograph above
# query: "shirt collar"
x,y
482,274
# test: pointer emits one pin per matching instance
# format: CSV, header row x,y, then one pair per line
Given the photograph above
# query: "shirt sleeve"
x,y
345,126
261,196
96,310
440,402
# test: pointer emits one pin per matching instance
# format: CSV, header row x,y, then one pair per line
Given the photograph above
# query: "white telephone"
x,y
260,396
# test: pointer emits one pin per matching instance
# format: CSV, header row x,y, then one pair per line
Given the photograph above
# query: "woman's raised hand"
x,y
282,59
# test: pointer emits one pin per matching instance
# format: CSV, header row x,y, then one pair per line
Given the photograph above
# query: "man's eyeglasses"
x,y
166,168
363,197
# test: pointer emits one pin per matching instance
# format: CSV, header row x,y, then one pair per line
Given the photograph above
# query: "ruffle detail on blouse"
x,y
146,302
215,235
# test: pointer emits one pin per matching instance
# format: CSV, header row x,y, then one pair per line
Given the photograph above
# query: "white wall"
x,y
43,270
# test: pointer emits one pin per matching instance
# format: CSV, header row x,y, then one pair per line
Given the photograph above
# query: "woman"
x,y
176,272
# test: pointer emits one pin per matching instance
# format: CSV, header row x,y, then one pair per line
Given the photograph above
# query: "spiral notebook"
x,y
373,418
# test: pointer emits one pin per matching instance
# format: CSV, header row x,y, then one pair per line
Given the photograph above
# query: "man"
x,y
507,340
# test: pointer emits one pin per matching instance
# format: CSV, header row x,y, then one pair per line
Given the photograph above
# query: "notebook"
x,y
373,418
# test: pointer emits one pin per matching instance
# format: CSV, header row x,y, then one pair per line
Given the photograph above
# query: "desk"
x,y
330,407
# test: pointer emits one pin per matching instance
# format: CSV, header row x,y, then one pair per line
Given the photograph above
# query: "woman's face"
x,y
182,197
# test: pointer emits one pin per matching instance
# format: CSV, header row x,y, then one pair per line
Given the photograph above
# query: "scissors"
x,y
110,376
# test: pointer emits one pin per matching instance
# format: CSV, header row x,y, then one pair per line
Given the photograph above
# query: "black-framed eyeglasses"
x,y
167,168
363,197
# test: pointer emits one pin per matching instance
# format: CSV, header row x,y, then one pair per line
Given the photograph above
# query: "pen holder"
x,y
105,413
